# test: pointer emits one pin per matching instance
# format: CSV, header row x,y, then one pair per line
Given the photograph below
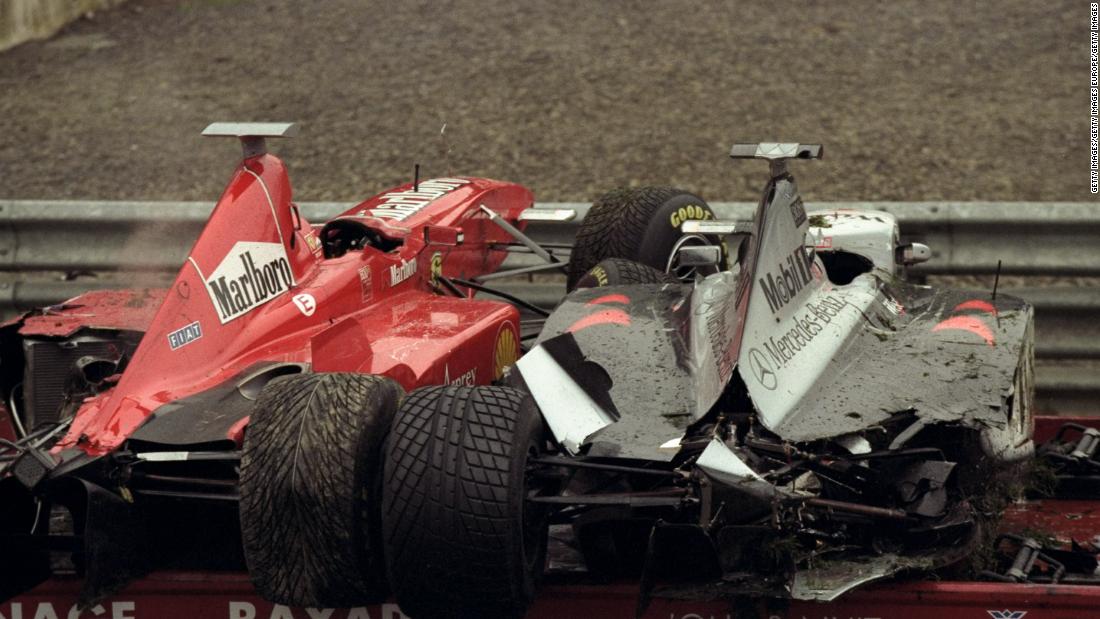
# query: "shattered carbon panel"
x,y
637,334
947,355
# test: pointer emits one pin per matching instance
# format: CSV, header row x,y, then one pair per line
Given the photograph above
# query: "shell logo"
x,y
506,350
437,268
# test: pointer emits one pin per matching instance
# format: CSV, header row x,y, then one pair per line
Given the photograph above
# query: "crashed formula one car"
x,y
772,411
259,386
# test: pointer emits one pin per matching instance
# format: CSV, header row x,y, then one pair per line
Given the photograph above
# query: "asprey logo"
x,y
400,205
250,275
794,274
466,379
1007,614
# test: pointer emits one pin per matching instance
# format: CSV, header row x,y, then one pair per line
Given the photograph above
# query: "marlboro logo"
x,y
401,272
400,205
249,276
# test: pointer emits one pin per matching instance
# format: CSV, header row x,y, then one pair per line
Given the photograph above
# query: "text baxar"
x,y
249,276
794,274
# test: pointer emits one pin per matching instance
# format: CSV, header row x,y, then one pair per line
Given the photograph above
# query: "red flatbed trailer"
x,y
184,595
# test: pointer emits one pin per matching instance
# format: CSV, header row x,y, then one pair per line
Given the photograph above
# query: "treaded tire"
x,y
620,271
639,224
460,540
310,480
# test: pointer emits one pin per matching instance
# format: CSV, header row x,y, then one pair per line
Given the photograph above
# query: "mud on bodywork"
x,y
820,423
51,361
888,458
137,402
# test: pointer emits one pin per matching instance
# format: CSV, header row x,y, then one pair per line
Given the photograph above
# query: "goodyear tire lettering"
x,y
689,213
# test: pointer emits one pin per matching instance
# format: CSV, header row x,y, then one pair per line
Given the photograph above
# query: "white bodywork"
x,y
871,234
579,418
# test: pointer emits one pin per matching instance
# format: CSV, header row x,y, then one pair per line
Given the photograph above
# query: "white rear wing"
x,y
252,135
776,150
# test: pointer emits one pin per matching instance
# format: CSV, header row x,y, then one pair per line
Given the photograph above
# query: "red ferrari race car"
x,y
259,386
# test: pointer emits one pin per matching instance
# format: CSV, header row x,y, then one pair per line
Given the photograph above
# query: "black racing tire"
x,y
640,224
622,272
310,484
460,538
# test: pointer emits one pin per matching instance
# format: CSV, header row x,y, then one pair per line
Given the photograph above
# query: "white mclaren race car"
x,y
723,409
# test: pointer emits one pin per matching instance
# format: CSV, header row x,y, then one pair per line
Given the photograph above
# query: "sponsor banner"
x,y
400,205
690,212
437,267
762,370
401,272
720,321
805,326
184,335
506,349
365,285
782,284
798,212
305,303
313,242
250,275
466,379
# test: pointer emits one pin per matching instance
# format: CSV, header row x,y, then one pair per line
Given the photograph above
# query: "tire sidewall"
x,y
371,434
355,513
529,436
443,438
622,272
663,230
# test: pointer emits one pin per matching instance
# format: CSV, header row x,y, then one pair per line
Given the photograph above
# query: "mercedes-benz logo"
x,y
761,370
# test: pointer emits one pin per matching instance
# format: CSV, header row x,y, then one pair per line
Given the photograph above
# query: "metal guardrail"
x,y
1030,238
144,242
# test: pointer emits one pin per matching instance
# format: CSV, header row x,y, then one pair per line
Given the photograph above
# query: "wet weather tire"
x,y
460,539
640,224
310,479
622,272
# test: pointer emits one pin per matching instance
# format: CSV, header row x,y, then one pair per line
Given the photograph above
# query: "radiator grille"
x,y
49,364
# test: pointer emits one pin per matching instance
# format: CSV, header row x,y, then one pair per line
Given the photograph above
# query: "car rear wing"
x,y
251,135
777,153
776,150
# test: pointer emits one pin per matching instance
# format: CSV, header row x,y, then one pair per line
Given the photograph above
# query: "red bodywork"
x,y
259,288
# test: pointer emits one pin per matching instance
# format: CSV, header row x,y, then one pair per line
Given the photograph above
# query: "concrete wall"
x,y
23,20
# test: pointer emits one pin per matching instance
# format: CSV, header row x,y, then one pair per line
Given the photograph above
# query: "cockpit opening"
x,y
842,267
340,236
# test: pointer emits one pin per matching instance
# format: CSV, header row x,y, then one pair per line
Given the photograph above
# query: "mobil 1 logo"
x,y
782,283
